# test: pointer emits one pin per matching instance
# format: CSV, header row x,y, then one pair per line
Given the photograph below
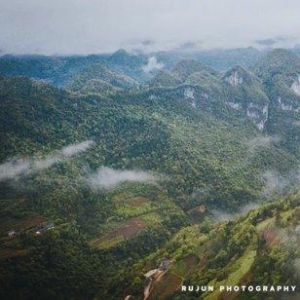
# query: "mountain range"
x,y
114,165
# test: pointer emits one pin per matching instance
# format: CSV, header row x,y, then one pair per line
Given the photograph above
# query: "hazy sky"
x,y
93,26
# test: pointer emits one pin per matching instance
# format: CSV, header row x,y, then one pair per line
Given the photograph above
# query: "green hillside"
x,y
260,248
119,173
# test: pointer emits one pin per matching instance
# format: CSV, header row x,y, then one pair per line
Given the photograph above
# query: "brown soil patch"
x,y
204,259
130,228
167,285
126,230
21,225
158,275
197,213
191,260
34,221
138,201
271,237
200,209
12,253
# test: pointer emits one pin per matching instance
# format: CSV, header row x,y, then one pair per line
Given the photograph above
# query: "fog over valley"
x,y
148,146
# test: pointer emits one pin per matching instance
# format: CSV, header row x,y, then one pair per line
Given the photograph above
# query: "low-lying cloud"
x,y
13,168
17,167
273,183
296,123
75,149
152,65
220,216
107,178
253,146
271,180
262,142
41,164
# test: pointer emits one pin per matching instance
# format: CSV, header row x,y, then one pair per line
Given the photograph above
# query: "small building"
x,y
164,265
45,227
11,233
48,226
150,273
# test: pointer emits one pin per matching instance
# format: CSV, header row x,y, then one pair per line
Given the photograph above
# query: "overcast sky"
x,y
94,26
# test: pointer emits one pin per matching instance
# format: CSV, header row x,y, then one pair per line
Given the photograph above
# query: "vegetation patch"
x,y
9,253
184,266
237,270
124,231
165,286
138,201
18,226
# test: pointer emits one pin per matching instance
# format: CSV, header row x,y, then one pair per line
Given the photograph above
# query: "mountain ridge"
x,y
102,183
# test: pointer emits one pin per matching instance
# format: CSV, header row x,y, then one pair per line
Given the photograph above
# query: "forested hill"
x,y
103,162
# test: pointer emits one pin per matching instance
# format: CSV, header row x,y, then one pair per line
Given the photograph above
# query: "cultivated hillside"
x,y
109,171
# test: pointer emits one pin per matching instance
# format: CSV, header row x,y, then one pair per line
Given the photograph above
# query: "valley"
x,y
189,169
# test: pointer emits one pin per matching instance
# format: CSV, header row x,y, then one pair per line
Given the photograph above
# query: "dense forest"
x,y
109,170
